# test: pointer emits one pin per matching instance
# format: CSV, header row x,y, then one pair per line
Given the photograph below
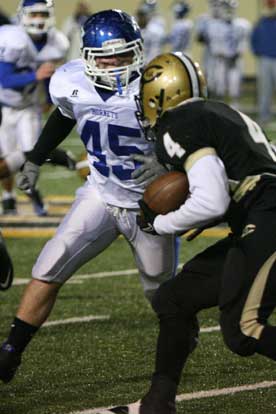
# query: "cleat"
x,y
37,203
160,398
123,409
9,206
9,362
6,270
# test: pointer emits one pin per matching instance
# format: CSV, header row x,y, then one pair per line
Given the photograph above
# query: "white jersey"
x,y
180,35
108,128
153,35
17,47
227,39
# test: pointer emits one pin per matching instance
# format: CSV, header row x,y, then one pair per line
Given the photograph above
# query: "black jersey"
x,y
196,128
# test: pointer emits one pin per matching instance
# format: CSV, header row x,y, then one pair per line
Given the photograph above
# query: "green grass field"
x,y
77,367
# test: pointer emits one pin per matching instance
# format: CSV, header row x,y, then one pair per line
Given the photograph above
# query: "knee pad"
x,y
15,160
51,262
235,340
161,300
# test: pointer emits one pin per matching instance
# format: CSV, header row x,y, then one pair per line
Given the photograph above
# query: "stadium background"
x,y
97,348
248,9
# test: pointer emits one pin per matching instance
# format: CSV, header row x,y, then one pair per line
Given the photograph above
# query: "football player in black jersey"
x,y
6,265
232,175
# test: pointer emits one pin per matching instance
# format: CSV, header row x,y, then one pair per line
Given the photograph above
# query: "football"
x,y
167,192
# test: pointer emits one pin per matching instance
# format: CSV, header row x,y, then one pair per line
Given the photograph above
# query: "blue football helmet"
x,y
180,9
112,33
36,25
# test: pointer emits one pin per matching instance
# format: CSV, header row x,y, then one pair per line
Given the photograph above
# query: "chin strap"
x,y
119,85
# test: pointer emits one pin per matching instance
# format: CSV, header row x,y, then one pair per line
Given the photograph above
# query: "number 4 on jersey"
x,y
173,148
257,135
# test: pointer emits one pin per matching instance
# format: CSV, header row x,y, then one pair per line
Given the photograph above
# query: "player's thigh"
x,y
154,254
249,278
261,258
8,141
197,285
28,128
85,231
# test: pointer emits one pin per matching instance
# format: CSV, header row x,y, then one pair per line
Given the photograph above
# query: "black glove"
x,y
146,218
27,178
149,170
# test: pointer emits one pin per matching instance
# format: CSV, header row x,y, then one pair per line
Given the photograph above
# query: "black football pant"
x,y
239,275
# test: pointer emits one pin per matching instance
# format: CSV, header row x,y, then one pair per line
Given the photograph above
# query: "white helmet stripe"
x,y
192,74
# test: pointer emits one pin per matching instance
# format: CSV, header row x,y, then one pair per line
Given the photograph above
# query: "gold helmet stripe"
x,y
195,84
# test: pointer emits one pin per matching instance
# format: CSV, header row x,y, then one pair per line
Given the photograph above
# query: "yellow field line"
x,y
28,233
34,233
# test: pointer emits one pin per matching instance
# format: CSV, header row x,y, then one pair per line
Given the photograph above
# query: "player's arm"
x,y
209,198
10,78
57,128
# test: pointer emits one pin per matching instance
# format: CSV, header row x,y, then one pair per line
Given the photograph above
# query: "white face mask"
x,y
37,19
115,78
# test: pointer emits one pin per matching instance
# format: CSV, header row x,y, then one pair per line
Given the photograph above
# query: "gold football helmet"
x,y
167,80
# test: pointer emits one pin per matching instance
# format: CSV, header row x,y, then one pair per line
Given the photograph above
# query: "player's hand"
x,y
27,178
149,170
146,218
45,71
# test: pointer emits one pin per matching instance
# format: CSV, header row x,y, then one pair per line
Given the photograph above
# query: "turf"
x,y
100,363
80,366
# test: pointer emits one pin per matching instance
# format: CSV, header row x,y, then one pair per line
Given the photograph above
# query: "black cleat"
x,y
9,206
119,410
122,409
37,203
160,398
9,362
6,269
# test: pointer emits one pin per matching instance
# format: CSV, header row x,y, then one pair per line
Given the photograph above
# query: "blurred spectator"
x,y
152,26
264,47
72,29
179,37
3,18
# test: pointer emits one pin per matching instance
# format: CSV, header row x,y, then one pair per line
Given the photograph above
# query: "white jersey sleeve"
x,y
12,43
59,89
208,201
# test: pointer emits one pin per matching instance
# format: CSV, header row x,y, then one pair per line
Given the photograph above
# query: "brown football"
x,y
167,192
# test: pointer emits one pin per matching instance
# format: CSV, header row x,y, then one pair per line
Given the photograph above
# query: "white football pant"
x,y
19,132
89,228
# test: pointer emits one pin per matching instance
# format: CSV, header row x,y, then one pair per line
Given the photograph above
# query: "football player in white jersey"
x,y
201,34
180,34
29,53
153,29
227,38
96,93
